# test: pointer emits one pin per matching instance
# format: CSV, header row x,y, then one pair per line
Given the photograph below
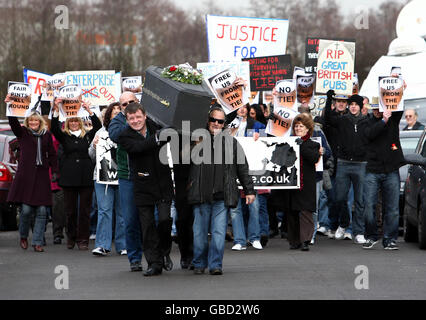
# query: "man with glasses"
x,y
412,123
217,161
127,202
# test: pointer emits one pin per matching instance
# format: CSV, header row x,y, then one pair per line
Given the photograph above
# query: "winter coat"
x,y
305,197
152,180
231,172
31,184
384,152
76,167
116,127
417,126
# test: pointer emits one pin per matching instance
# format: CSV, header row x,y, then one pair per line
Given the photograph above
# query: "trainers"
x,y
123,252
369,244
256,244
99,251
347,236
322,230
359,239
136,266
340,233
92,237
239,247
330,234
391,246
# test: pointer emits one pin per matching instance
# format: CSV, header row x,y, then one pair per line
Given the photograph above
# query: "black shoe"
x,y
184,264
152,272
198,270
283,235
135,266
229,236
295,246
216,272
167,263
57,240
273,233
305,246
191,266
263,240
391,246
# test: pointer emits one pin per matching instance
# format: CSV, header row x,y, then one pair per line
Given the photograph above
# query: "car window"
x,y
423,153
409,145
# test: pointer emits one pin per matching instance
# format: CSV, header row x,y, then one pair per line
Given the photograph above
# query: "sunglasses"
x,y
127,103
220,121
409,116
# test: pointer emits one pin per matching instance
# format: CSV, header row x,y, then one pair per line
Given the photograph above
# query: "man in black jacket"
x,y
153,187
351,163
217,162
384,156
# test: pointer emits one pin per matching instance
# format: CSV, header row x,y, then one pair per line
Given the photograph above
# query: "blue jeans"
x,y
241,233
131,221
108,199
39,224
390,184
215,216
347,173
263,215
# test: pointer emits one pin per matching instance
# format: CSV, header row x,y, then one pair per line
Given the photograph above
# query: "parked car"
x,y
415,195
8,166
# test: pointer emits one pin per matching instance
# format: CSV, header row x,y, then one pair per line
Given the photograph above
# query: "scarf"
x,y
39,137
76,133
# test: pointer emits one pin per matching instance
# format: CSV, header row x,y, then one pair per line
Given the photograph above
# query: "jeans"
x,y
390,184
39,225
131,221
108,199
213,215
263,215
173,214
315,213
347,173
252,232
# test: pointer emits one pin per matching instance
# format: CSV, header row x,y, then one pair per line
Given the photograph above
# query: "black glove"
x,y
299,141
330,94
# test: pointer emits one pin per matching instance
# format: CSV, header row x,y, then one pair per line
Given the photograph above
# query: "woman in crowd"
x,y
299,204
31,185
256,113
76,173
107,195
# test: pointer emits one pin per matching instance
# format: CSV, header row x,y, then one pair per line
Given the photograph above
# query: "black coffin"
x,y
170,102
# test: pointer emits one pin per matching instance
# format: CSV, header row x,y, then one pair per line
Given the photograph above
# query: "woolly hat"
x,y
357,99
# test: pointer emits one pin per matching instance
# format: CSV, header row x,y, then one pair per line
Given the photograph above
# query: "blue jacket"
x,y
116,127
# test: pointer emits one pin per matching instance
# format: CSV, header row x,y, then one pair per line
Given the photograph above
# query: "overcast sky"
x,y
346,5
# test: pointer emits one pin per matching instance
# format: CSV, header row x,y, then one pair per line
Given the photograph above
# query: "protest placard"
x,y
132,84
280,126
267,97
230,95
319,166
106,165
391,94
285,94
254,97
235,38
335,70
274,162
71,96
38,81
266,71
20,93
318,105
355,85
311,51
98,87
305,89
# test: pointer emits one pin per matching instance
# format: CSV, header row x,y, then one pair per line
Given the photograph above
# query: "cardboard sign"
x,y
286,94
267,97
355,84
266,71
132,84
235,38
106,165
254,97
98,87
305,89
274,163
280,126
311,52
319,166
335,69
71,96
391,92
229,95
20,94
318,105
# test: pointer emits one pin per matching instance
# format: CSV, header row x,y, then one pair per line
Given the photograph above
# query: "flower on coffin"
x,y
183,73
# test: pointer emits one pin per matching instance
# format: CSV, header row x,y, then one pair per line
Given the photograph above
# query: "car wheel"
x,y
421,225
410,231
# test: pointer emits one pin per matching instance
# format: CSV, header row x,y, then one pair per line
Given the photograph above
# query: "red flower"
x,y
172,68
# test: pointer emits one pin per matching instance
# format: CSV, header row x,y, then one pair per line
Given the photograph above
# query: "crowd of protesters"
x,y
360,149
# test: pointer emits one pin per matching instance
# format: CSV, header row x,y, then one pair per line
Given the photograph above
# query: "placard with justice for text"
x,y
274,162
335,70
229,94
20,95
100,87
266,71
235,38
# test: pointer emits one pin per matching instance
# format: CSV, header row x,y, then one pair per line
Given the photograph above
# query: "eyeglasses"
x,y
408,116
126,103
220,121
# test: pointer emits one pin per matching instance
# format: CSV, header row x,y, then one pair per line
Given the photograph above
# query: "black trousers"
x,y
157,239
59,218
184,222
300,227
